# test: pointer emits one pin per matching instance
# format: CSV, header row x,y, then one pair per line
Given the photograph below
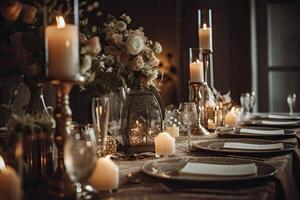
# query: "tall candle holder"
x,y
206,43
198,85
62,59
59,184
199,99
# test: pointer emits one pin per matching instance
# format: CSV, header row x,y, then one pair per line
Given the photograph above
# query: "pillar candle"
x,y
173,131
105,175
10,183
62,48
205,37
164,144
196,72
231,118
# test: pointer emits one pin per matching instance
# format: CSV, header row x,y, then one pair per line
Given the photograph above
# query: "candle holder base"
x,y
59,185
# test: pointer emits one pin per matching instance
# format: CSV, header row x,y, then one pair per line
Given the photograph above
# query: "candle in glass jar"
x,y
211,124
10,183
62,49
173,131
164,144
205,37
105,176
196,71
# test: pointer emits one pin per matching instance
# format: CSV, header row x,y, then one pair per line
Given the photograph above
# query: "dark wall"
x,y
174,24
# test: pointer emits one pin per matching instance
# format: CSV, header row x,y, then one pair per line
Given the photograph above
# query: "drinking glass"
x,y
100,114
116,102
188,112
252,101
245,101
291,100
80,156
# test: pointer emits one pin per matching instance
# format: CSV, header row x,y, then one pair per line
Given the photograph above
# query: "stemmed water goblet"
x,y
80,156
247,101
188,112
291,100
252,101
100,114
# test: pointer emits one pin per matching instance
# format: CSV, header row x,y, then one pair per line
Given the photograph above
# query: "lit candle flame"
x,y
2,164
60,22
204,26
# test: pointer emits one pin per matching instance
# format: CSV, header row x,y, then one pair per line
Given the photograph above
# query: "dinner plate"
x,y
276,123
230,133
280,116
217,146
169,169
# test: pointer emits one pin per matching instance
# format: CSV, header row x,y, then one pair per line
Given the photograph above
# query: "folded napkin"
x,y
274,116
219,169
247,146
262,132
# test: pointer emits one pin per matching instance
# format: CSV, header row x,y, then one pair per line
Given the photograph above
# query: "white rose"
x,y
153,61
135,45
150,58
125,18
137,63
120,26
157,48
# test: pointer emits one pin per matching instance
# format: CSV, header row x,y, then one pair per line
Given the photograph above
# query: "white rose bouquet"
x,y
124,52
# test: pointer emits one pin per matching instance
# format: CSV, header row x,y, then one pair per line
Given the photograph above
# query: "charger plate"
x,y
168,169
217,146
280,116
276,123
230,133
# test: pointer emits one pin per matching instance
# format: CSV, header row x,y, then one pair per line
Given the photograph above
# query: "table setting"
x,y
130,145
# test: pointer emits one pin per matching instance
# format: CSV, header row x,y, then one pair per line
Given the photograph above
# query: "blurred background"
x,y
256,47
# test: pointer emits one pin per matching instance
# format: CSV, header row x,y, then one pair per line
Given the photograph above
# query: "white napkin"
x,y
3,129
262,132
279,122
247,146
274,116
219,169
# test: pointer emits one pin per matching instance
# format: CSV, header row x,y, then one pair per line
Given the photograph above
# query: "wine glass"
x,y
291,100
100,114
252,101
188,112
245,101
80,156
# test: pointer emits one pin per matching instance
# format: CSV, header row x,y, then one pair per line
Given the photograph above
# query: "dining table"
x,y
135,184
